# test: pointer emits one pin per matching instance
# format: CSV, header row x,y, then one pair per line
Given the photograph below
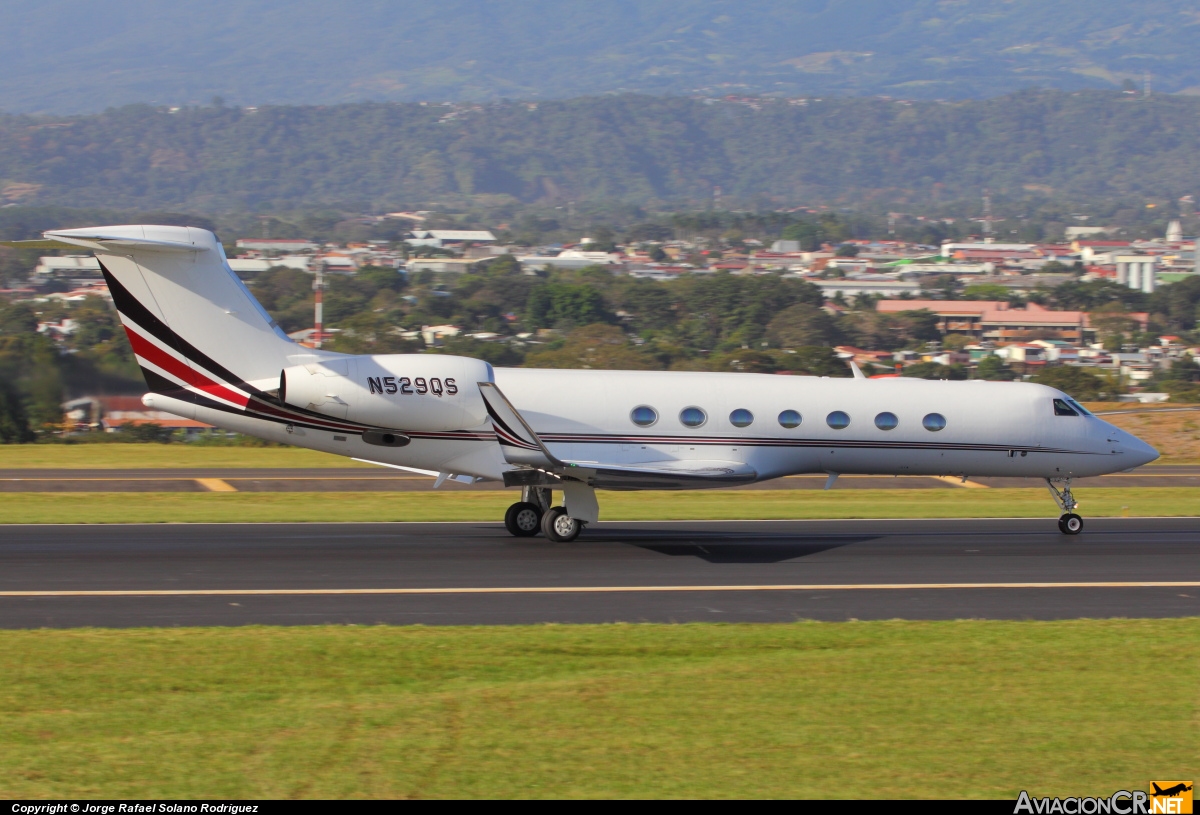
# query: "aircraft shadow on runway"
x,y
719,548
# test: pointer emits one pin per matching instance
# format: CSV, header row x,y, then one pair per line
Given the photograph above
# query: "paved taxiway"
x,y
388,480
475,573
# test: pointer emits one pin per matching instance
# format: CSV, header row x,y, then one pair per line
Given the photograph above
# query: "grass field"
x,y
862,709
135,456
261,507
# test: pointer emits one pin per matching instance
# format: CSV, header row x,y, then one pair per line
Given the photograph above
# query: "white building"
x,y
948,249
1137,271
440,265
440,237
570,259
288,245
854,288
68,266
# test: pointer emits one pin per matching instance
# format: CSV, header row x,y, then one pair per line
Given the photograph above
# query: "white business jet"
x,y
210,352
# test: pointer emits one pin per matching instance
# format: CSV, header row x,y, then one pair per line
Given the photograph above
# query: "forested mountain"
x,y
647,150
80,55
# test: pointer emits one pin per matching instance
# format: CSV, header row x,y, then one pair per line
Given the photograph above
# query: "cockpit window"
x,y
1082,410
1061,408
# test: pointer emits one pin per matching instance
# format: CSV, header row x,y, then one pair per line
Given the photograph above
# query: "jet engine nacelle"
x,y
399,391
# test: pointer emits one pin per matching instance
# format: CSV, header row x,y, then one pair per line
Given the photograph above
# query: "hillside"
x,y
646,150
68,56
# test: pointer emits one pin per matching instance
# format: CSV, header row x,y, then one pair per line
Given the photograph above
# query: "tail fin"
x,y
194,326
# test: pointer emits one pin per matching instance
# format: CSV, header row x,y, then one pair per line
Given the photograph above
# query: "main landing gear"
x,y
533,514
1069,523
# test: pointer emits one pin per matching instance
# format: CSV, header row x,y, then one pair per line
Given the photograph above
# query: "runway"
x,y
475,573
359,479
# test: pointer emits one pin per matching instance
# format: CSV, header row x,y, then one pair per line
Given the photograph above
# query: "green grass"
x,y
866,710
135,456
245,507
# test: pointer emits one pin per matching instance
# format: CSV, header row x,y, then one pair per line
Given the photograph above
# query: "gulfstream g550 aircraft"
x,y
210,352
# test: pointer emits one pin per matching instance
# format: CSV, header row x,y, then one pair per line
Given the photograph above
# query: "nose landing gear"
x,y
1069,523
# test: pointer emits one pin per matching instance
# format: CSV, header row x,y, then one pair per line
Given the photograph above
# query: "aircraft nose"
x,y
1134,452
1139,452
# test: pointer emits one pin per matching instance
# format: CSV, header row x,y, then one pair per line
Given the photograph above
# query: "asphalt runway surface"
x,y
713,571
388,480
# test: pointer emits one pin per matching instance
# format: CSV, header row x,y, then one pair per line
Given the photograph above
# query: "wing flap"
x,y
664,475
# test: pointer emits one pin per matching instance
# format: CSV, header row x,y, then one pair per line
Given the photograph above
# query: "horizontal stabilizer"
x,y
42,244
100,239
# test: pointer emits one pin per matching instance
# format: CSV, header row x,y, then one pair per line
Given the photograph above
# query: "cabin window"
x,y
741,418
886,421
933,422
790,419
692,417
1061,408
643,415
838,420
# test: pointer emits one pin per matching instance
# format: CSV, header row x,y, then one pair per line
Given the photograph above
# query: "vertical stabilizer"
x,y
194,326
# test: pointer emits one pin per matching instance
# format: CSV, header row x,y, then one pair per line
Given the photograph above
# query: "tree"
x,y
565,305
801,325
992,368
933,370
595,346
1077,382
986,291
14,423
814,360
1113,325
956,342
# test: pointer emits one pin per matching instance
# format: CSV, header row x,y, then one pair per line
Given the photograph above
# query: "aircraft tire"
x,y
560,527
1070,524
523,519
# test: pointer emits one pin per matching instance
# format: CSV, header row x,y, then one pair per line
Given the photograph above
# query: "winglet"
x,y
858,374
518,442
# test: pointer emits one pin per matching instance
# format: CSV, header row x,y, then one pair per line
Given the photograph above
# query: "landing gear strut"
x,y
1069,523
524,518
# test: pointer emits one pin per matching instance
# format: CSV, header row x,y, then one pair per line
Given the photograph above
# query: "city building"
x,y
280,245
1137,271
997,320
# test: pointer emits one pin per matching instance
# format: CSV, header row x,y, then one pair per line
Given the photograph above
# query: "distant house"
x,y
1058,351
441,238
440,265
69,266
571,259
996,320
112,413
279,245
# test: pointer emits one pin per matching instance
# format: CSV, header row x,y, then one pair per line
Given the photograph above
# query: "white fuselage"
x,y
991,428
209,351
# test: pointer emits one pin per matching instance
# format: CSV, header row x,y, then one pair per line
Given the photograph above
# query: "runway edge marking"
x,y
1143,584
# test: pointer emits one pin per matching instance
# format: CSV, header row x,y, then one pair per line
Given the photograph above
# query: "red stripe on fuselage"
x,y
181,370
